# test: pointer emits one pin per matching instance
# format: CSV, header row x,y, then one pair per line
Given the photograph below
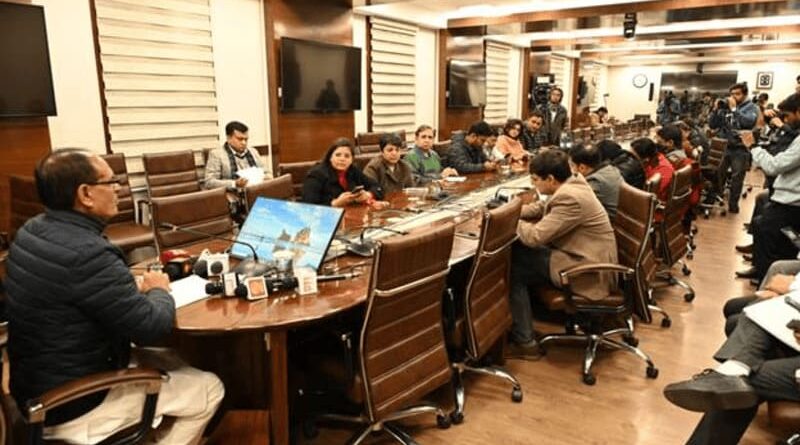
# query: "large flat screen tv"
x,y
466,84
304,230
26,84
319,76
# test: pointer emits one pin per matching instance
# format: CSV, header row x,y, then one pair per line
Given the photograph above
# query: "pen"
x,y
790,301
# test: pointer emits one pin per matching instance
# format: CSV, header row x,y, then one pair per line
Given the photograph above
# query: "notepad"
x,y
254,175
772,316
188,290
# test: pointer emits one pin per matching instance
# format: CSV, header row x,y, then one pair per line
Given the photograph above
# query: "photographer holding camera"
x,y
731,116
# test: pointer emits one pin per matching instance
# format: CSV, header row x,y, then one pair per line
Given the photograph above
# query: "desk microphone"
x,y
248,267
337,276
365,247
499,199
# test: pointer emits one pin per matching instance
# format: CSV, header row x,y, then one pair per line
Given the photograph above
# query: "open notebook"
x,y
772,316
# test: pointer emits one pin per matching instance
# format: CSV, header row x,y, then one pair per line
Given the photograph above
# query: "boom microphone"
x,y
366,247
499,199
248,267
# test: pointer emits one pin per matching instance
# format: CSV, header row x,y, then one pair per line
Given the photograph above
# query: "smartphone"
x,y
794,325
357,189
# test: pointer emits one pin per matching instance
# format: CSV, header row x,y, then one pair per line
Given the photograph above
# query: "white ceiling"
x,y
435,13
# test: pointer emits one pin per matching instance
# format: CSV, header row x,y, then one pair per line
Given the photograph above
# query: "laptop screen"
x,y
275,225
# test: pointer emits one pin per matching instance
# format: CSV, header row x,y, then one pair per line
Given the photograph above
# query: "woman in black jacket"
x,y
336,182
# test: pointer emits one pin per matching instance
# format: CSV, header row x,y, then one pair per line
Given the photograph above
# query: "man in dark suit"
x,y
555,116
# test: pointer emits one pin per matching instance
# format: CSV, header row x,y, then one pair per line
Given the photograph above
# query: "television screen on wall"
x,y
319,76
466,84
26,84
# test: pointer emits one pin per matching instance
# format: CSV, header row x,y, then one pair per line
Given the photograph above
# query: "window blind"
x,y
498,57
393,73
157,72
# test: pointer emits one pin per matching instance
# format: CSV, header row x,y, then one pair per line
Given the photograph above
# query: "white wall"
x,y
427,77
625,100
79,122
239,59
515,83
237,29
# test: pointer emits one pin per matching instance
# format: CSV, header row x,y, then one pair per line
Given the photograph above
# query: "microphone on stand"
x,y
248,267
499,199
366,247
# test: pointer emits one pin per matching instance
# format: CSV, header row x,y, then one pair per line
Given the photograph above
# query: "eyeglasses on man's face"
x,y
112,181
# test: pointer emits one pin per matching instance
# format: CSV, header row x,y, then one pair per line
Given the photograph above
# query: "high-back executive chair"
x,y
587,318
205,211
278,188
671,242
401,351
487,314
123,230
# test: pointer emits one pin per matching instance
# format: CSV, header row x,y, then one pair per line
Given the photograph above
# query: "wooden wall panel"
x,y
469,46
23,141
302,136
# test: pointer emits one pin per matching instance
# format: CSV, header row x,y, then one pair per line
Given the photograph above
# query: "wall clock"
x,y
639,80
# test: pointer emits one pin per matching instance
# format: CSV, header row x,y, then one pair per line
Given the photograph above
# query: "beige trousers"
x,y
189,395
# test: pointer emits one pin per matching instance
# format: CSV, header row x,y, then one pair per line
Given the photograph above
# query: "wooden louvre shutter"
x,y
393,64
158,75
498,56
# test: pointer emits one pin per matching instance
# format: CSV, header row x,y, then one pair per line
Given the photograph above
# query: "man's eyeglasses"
x,y
112,181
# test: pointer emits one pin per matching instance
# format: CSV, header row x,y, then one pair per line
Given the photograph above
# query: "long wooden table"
x,y
273,317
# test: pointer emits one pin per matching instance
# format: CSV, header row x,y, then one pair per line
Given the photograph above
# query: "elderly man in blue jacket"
x,y
74,309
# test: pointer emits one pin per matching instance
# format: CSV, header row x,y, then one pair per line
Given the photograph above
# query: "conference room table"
x,y
275,316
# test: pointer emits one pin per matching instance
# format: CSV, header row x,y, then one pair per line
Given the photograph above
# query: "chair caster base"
x,y
310,430
516,395
589,379
686,271
688,297
443,422
666,322
456,418
652,372
631,340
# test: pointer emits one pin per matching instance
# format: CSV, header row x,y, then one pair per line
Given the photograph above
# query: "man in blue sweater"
x,y
74,309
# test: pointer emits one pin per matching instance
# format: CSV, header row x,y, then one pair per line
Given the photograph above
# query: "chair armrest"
x,y
140,211
571,272
37,408
581,269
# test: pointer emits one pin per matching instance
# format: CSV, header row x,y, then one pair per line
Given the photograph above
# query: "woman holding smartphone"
x,y
336,182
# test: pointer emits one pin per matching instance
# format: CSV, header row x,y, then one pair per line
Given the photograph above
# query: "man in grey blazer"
x,y
234,155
